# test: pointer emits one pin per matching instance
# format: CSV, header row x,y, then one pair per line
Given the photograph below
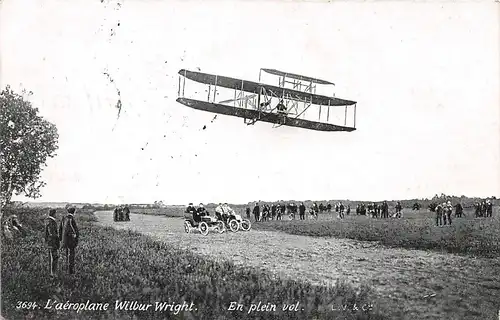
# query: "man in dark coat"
x,y
302,211
52,240
459,210
126,213
69,234
202,211
439,215
384,210
477,207
247,211
265,212
273,211
489,208
193,214
115,214
398,209
120,213
256,211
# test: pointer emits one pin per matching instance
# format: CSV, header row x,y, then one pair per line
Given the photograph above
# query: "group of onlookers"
x,y
121,213
483,208
444,211
276,211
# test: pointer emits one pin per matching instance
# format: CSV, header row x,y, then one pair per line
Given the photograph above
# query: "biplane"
x,y
287,104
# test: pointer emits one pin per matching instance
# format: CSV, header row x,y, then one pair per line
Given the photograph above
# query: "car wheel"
x,y
203,227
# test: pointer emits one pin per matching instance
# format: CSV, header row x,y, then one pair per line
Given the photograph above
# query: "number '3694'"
x,y
26,305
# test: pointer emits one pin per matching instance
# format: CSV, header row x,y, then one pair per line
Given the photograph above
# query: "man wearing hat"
x,y
69,235
52,240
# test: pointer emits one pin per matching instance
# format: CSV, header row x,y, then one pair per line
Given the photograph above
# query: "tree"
x,y
26,141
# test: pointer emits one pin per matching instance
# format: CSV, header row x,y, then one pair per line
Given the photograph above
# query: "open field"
x,y
124,265
416,230
409,284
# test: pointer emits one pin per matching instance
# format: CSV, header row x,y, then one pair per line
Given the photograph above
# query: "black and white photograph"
x,y
240,159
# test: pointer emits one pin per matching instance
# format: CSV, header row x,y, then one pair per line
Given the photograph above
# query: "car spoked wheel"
x,y
234,226
220,227
187,227
203,228
245,225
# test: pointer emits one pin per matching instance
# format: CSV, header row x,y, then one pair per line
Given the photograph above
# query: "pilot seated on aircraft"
x,y
281,107
281,111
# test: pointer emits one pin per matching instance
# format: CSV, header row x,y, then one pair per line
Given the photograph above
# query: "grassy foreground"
x,y
472,236
116,265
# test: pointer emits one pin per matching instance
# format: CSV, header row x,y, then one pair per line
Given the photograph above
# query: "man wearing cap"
x,y
69,234
52,240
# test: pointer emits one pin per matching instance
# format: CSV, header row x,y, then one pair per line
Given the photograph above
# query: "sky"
x,y
426,78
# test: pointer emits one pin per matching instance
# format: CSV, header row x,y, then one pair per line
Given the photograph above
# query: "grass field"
x,y
416,230
119,265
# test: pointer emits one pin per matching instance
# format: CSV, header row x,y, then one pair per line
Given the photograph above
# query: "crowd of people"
x,y
276,211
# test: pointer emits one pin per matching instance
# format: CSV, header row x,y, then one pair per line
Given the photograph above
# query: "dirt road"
x,y
459,287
